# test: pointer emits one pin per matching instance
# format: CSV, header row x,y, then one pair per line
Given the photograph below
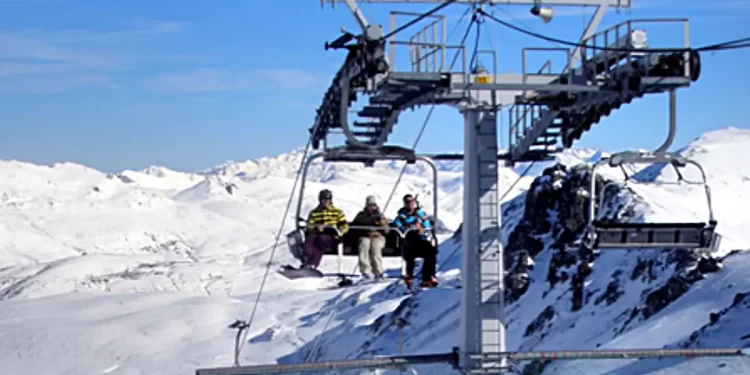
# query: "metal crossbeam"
x,y
451,358
623,354
387,362
587,91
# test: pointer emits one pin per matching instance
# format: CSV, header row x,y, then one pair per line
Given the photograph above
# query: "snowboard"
x,y
293,273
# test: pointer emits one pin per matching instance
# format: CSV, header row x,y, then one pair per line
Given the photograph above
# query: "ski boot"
x,y
430,283
408,281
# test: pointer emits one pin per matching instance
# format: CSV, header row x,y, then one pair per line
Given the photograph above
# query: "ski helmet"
x,y
325,194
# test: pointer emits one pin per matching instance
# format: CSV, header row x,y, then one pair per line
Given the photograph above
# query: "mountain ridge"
x,y
147,273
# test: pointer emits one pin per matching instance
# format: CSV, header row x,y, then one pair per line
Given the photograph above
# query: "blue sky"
x,y
190,84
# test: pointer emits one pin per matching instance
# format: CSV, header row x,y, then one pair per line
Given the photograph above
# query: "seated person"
x,y
372,241
317,237
417,243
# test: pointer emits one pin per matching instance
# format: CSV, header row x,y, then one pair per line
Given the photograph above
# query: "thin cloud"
x,y
13,69
33,1
15,47
137,32
45,85
224,80
67,59
714,5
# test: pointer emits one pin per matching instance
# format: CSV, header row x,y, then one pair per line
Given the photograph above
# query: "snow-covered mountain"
x,y
140,272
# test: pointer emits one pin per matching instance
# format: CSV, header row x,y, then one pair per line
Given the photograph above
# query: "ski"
x,y
346,282
416,288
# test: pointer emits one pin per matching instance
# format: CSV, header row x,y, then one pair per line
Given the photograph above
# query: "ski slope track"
x,y
141,272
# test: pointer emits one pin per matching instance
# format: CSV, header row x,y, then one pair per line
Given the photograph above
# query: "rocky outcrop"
x,y
554,220
555,216
740,301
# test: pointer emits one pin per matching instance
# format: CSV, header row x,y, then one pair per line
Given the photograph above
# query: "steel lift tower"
x,y
548,110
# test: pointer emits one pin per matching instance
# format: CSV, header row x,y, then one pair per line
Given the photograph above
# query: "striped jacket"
x,y
330,215
406,219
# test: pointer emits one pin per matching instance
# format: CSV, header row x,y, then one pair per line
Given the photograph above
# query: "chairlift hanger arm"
x,y
358,15
368,156
400,233
366,58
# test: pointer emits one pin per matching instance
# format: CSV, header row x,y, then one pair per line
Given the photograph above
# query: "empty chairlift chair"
x,y
699,236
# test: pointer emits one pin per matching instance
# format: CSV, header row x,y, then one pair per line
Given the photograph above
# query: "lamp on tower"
x,y
542,12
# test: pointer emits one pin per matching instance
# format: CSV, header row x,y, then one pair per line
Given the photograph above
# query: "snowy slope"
x,y
140,272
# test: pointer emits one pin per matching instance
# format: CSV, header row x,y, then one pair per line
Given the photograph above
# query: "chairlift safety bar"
x,y
340,246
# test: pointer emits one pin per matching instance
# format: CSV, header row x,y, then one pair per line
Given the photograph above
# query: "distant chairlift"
x,y
699,236
348,246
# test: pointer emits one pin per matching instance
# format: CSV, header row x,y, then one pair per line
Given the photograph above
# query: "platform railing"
x,y
632,34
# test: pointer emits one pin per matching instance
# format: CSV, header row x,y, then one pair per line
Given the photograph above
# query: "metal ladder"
x,y
483,249
524,118
428,53
620,75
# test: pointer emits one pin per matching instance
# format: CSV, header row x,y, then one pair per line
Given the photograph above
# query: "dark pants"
x,y
315,245
417,247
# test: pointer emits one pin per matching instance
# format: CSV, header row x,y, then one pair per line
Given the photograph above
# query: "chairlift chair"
x,y
348,244
699,236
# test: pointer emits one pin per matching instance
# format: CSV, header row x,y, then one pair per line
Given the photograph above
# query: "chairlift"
x,y
348,243
698,236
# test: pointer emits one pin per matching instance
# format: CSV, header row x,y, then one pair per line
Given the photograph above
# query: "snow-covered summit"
x,y
141,271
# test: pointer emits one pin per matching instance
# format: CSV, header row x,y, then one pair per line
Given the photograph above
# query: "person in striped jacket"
x,y
320,234
418,241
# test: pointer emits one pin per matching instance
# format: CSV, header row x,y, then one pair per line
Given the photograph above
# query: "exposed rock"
x,y
611,294
230,188
713,317
556,207
554,219
518,281
709,265
740,301
657,300
539,322
536,367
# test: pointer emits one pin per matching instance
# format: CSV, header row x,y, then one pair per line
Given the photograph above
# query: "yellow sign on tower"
x,y
482,79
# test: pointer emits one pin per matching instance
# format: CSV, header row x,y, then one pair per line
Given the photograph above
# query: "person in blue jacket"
x,y
418,242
